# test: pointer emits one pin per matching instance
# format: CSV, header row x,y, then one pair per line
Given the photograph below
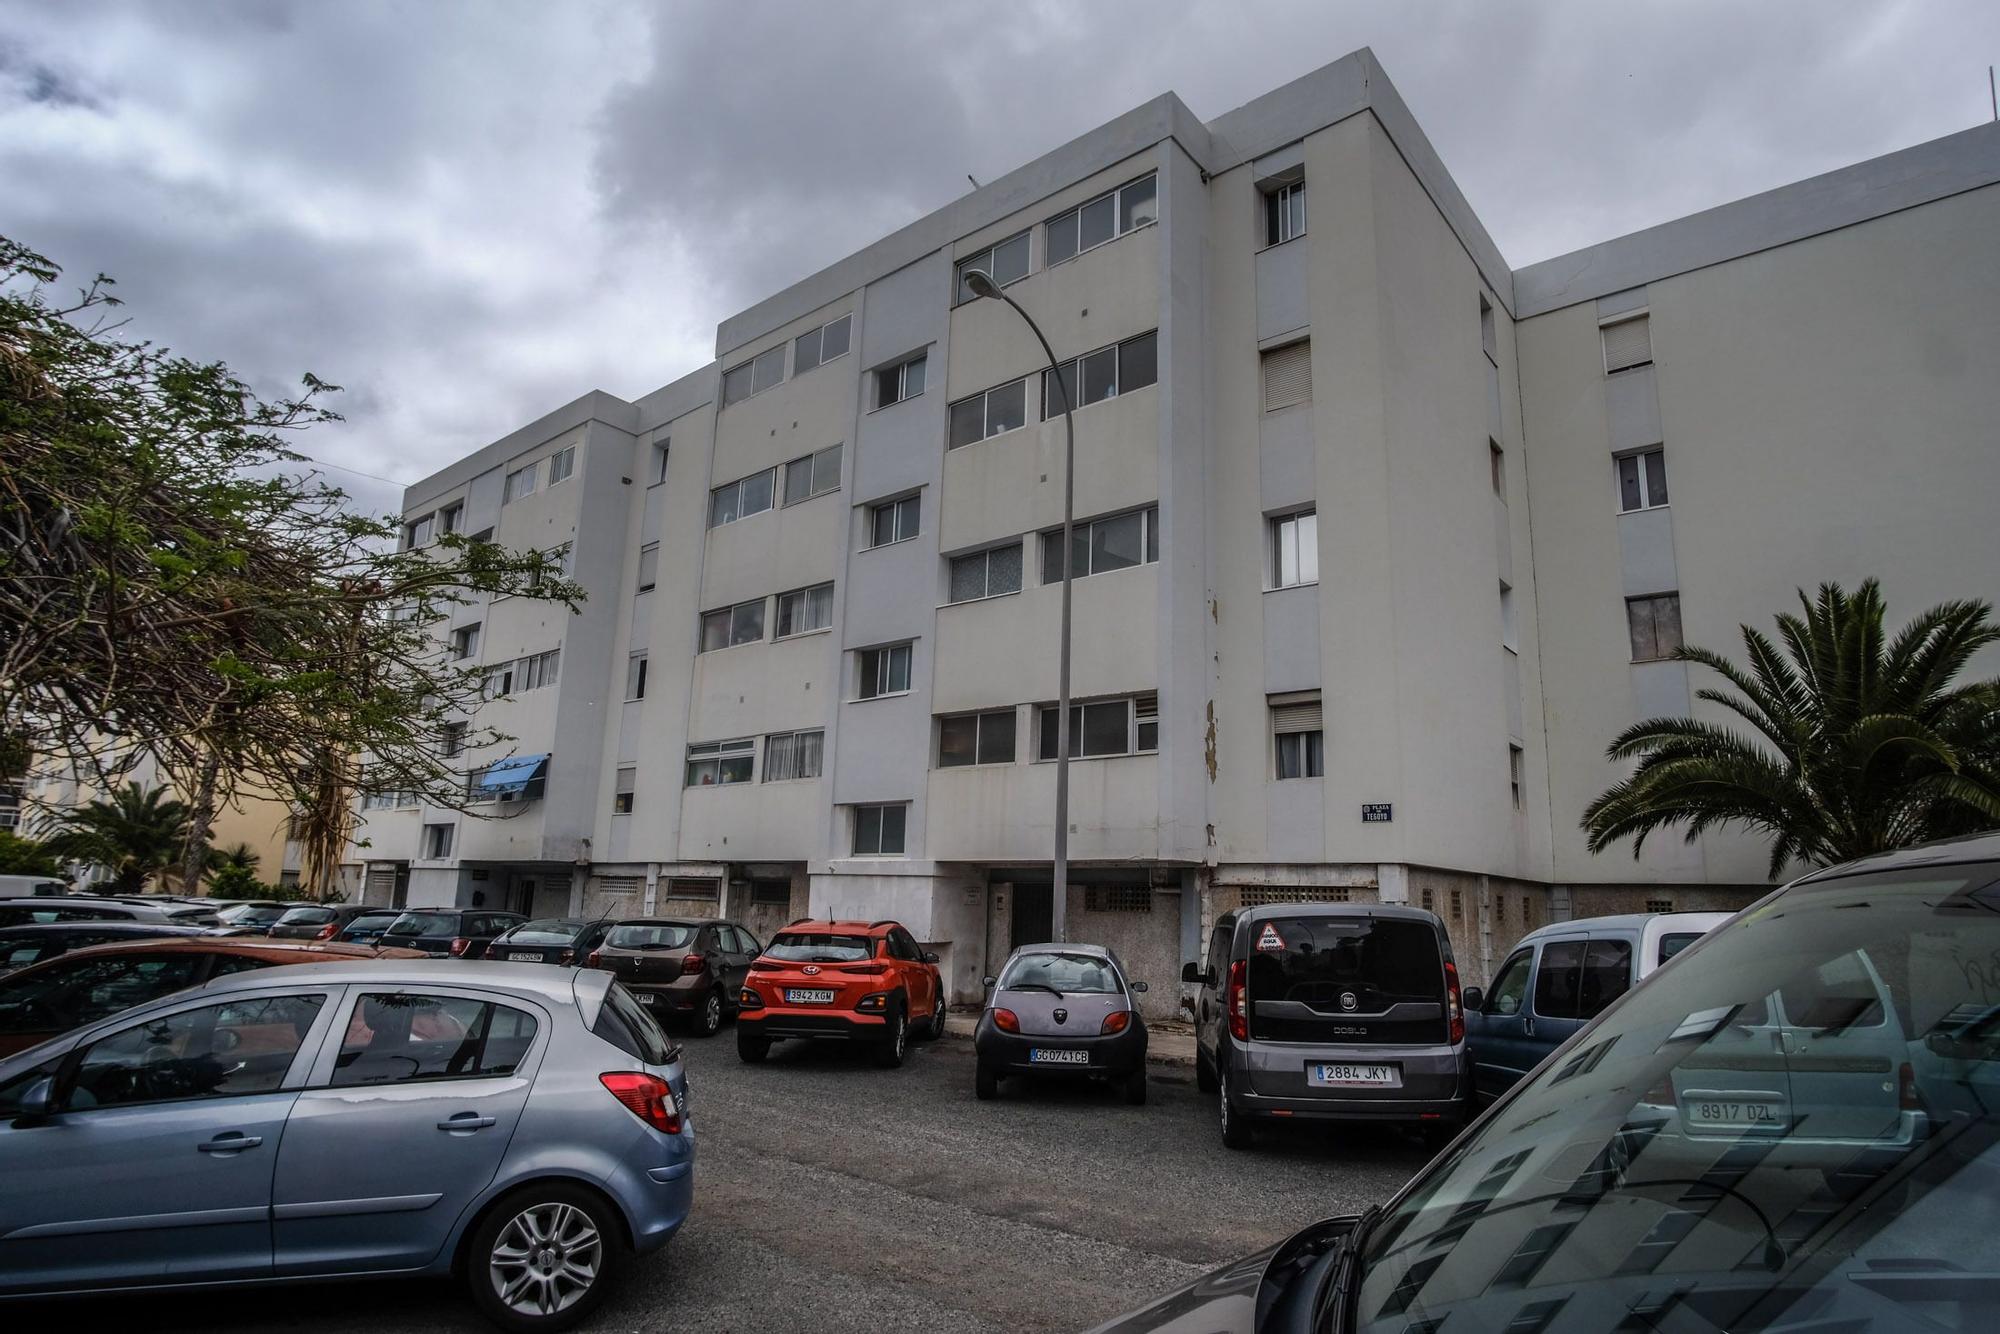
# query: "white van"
x,y
30,886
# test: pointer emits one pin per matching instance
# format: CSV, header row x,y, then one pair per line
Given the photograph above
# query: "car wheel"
x,y
985,1082
752,1049
1235,1129
1204,1073
935,1028
1135,1088
895,1041
709,1022
543,1258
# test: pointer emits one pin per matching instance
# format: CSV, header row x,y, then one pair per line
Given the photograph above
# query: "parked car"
x,y
37,942
1559,978
30,886
563,941
258,915
316,921
1596,1194
1062,1010
95,908
851,981
1332,1011
461,933
526,1129
368,926
686,968
47,1000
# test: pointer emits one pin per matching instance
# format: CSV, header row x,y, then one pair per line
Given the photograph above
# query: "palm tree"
x,y
137,833
1861,746
240,856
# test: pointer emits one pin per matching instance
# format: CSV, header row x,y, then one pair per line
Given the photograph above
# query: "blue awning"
x,y
511,776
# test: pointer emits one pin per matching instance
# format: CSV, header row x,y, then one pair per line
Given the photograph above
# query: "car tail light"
x,y
1908,1097
566,958
596,957
1007,1021
328,931
1239,1008
1454,1002
693,963
866,969
750,1000
766,966
459,945
1116,1022
647,1097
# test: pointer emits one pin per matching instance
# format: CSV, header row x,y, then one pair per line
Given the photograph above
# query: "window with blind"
x,y
1295,549
1628,343
649,567
805,609
621,796
1298,734
789,755
1288,377
1655,625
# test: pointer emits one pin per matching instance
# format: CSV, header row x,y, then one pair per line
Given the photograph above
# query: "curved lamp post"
x,y
981,284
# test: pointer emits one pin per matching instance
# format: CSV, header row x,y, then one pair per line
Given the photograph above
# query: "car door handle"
x,y
1528,1027
230,1143
465,1121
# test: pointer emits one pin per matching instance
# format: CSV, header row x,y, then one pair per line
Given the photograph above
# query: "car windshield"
x,y
546,931
424,924
1071,974
818,947
1795,1127
651,936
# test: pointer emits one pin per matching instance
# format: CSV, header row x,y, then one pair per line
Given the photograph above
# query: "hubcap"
x,y
545,1259
713,1015
902,1033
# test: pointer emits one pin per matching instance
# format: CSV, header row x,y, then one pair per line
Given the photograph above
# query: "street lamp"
x,y
981,284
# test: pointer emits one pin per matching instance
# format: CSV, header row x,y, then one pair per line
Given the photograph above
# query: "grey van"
x,y
1330,1011
1559,978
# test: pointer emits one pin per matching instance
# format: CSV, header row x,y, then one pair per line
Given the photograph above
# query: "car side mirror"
x,y
988,981
930,957
1194,972
1474,998
38,1102
1139,987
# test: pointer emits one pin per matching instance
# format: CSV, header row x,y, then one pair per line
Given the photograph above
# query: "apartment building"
x,y
1374,549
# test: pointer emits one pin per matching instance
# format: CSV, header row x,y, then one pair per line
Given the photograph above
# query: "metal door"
x,y
1033,914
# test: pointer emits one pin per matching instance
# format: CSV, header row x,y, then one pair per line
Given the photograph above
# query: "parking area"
x,y
835,1196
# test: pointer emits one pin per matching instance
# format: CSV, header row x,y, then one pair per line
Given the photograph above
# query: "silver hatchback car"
x,y
523,1128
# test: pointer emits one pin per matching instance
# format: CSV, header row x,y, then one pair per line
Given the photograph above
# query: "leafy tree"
x,y
1860,745
136,833
174,584
236,881
24,856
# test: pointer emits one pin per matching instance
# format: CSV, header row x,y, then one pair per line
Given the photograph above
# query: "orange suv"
x,y
855,981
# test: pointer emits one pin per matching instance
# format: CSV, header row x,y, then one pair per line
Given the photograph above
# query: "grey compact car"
x,y
1331,1011
525,1128
1062,1010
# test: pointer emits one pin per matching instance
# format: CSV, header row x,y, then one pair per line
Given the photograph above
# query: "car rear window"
x,y
820,947
306,916
256,916
1315,960
624,1023
1071,974
425,924
372,921
654,936
547,931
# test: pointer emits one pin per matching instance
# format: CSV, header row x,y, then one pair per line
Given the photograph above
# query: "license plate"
x,y
1057,1056
808,996
526,956
648,998
1343,1076
1704,1111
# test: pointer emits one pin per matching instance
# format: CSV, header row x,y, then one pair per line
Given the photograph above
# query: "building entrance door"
x,y
1034,915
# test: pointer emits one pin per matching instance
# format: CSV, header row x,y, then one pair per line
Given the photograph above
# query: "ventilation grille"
x,y
619,884
1288,376
1117,898
1258,896
1628,343
691,889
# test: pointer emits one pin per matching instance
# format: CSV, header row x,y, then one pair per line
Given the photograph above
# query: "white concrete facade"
x,y
1449,424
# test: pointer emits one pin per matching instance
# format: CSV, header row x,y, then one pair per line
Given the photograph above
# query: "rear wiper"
x,y
1033,986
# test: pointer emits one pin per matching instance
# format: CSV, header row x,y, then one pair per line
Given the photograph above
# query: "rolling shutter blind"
x,y
1628,343
1288,376
1295,713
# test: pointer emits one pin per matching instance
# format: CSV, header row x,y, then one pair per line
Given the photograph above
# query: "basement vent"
x,y
620,884
1258,896
1628,343
1288,375
691,889
771,893
1659,905
1117,898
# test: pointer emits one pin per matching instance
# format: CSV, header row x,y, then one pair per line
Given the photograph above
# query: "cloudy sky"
x,y
469,213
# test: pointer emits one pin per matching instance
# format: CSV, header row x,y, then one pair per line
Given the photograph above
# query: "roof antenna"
x,y
975,180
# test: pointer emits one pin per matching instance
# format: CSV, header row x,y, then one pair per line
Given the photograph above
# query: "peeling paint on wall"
x,y
1209,744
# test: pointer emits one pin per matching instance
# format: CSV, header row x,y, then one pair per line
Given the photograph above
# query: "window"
x,y
789,755
764,371
1004,408
558,566
219,1051
1004,263
1104,727
520,482
1655,625
1105,373
883,671
395,1038
659,470
437,840
1514,760
878,830
1295,549
405,800
805,609
621,793
727,627
538,670
635,676
464,642
1510,637
903,380
1101,545
451,741
1297,730
1103,219
814,475
741,498
1510,987
816,347
649,566
1642,480
1288,375
561,464
986,574
1488,336
417,532
1627,343
893,521
451,518
770,894
976,738
1497,459
1285,213
719,763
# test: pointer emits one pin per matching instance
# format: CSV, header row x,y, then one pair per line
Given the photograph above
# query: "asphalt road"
x,y
833,1196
